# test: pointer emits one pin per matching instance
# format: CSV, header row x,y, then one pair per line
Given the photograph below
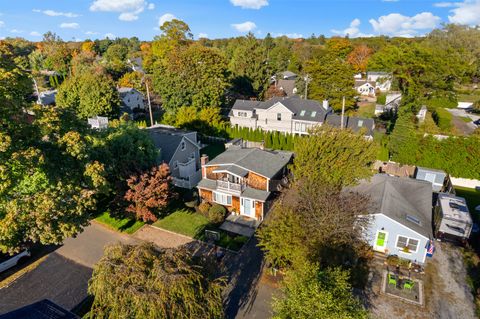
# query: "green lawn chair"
x,y
392,280
408,284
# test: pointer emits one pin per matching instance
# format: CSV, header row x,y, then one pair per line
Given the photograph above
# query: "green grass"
x,y
471,195
213,150
185,222
192,224
443,118
125,225
473,97
367,111
466,119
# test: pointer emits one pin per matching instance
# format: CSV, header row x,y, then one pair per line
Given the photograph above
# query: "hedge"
x,y
273,140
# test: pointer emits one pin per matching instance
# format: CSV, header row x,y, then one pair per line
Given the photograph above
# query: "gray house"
x,y
401,211
287,115
181,151
131,99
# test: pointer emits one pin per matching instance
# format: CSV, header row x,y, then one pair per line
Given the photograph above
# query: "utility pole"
x,y
307,79
148,90
343,113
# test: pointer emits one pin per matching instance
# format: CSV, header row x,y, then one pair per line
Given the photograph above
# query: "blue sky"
x,y
82,19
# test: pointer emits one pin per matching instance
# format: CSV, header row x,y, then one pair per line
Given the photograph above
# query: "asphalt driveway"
x,y
63,276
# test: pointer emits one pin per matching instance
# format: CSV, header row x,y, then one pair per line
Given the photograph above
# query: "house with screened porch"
x,y
400,216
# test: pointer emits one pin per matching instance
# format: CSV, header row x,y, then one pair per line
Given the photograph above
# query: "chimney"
x,y
325,105
203,162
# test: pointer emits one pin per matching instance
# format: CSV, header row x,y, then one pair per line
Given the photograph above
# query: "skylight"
x,y
302,113
314,113
360,123
413,219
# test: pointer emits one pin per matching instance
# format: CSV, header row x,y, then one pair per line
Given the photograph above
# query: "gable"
x,y
279,108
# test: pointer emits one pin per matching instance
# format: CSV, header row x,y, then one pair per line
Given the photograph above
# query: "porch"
x,y
240,225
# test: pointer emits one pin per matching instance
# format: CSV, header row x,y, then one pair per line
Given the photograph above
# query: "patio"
x,y
403,287
240,225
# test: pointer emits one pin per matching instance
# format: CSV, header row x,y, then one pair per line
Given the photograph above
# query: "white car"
x,y
9,261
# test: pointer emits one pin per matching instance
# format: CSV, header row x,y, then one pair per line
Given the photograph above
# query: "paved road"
x,y
63,276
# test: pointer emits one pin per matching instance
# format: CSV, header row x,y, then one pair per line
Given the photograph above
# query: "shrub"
x,y
216,214
203,208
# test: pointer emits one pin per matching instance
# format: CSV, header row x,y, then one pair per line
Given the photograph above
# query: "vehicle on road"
x,y
8,261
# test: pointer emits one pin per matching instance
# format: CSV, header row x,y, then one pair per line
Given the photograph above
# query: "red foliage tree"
x,y
149,193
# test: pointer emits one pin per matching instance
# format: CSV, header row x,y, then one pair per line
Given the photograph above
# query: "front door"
x,y
247,207
381,241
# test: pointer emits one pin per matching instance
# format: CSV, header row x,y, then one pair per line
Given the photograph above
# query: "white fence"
x,y
464,182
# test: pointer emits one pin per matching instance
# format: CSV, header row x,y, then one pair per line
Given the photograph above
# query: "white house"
x,y
365,88
383,80
131,99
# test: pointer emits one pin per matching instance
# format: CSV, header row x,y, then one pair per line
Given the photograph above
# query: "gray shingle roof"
x,y
235,170
265,163
397,197
353,123
167,140
288,86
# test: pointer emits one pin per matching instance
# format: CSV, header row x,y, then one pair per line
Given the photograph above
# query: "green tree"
x,y
404,140
167,284
334,157
310,292
89,95
331,79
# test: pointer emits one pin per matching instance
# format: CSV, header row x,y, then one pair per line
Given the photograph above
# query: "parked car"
x,y
477,122
9,261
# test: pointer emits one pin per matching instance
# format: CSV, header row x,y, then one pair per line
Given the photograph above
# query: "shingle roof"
x,y
265,163
288,74
288,86
359,83
397,197
167,141
235,170
44,309
353,123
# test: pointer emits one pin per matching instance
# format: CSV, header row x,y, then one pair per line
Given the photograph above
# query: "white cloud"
x,y
202,35
72,25
110,36
166,17
399,25
53,13
250,4
128,9
353,30
288,35
244,27
16,31
35,34
91,33
2,24
445,4
467,12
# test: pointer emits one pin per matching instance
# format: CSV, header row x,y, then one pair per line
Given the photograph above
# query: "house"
x,y
356,124
131,99
377,76
401,216
383,80
287,86
392,102
422,114
43,309
439,180
365,88
452,219
181,151
98,122
287,115
46,98
465,105
243,179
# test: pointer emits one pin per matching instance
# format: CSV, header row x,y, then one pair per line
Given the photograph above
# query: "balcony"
x,y
233,187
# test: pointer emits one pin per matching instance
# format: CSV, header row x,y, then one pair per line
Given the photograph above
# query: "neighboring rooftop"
x,y
434,176
405,200
353,123
359,83
47,97
454,208
44,309
265,163
168,138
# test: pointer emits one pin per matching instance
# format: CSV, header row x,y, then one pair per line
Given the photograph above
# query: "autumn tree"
x,y
145,282
150,193
358,58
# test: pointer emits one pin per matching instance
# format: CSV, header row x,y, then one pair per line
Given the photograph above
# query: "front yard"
x,y
125,225
192,224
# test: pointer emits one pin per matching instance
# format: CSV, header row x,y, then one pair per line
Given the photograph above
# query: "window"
x,y
302,113
314,113
222,199
242,114
175,164
405,243
183,145
279,116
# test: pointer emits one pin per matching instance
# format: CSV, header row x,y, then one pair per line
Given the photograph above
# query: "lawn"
x,y
366,110
192,224
213,150
125,225
471,195
185,222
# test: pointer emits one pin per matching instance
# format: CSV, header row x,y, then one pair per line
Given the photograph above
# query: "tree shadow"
x,y
244,271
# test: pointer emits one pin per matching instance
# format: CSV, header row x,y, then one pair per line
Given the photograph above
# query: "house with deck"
x,y
181,151
401,216
244,180
290,115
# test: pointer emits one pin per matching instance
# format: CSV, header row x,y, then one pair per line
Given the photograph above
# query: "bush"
x,y
203,208
216,214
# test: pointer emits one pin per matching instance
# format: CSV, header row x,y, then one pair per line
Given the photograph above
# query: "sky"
x,y
91,19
